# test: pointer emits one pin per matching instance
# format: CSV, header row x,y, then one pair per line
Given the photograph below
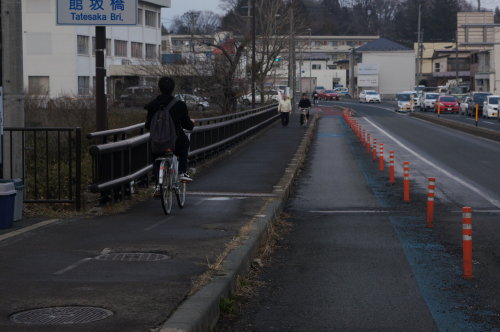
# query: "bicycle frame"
x,y
168,180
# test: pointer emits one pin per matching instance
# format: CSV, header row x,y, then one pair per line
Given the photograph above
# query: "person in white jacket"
x,y
285,107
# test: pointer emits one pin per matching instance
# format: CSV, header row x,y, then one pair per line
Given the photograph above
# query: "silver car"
x,y
193,102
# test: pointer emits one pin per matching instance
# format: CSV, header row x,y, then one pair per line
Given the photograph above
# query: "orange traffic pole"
x,y
406,181
430,202
439,108
391,167
363,137
381,158
368,145
477,113
467,241
374,152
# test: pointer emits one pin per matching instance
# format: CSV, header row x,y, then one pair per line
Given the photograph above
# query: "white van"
x,y
490,106
404,101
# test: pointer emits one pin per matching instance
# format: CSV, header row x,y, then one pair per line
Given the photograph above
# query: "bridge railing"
x,y
50,162
126,160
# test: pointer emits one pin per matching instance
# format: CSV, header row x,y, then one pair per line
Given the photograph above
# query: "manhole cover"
x,y
61,315
133,257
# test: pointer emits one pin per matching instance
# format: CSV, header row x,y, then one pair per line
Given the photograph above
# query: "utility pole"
x,y
292,65
13,85
419,71
100,79
351,73
478,5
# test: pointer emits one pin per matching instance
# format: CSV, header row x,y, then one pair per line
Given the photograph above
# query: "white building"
x,y
386,66
60,60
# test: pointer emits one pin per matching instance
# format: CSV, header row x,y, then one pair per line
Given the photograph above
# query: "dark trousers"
x,y
181,151
285,118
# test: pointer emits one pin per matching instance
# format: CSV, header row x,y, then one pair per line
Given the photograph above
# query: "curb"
x,y
200,312
482,132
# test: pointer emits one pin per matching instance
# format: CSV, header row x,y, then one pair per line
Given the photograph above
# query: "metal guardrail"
x,y
50,162
118,165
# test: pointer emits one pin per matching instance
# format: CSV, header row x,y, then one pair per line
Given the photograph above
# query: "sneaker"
x,y
184,177
157,192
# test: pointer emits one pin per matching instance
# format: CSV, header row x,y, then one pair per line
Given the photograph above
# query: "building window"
x,y
334,43
82,45
121,48
485,34
351,43
150,18
93,45
151,51
317,67
159,20
437,67
108,47
38,85
139,16
136,50
332,66
83,85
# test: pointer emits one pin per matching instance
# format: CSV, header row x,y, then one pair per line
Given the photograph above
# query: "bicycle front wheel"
x,y
166,192
180,194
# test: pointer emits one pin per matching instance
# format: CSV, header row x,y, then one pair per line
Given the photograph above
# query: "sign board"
x,y
367,69
366,81
97,12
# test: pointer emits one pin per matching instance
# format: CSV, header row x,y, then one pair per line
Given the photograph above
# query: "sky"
x,y
179,7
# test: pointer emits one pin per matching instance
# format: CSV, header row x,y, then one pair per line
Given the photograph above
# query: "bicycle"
x,y
169,183
304,116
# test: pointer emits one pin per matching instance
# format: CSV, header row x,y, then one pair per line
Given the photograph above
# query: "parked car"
x,y
193,102
369,96
403,101
476,98
447,104
428,100
137,95
329,95
268,96
490,106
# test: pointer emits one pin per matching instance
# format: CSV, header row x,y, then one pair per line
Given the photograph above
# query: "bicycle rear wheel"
x,y
180,194
166,192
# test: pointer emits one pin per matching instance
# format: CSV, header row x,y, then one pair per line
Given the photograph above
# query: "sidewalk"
x,y
137,267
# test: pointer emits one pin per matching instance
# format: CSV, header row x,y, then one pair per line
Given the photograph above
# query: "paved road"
x,y
358,258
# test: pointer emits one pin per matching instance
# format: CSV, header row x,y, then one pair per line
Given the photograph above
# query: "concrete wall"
x,y
396,70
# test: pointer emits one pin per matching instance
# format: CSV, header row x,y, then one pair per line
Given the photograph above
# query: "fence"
x,y
122,159
50,160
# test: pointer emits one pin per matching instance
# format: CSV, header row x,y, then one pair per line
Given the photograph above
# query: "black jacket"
x,y
305,103
179,113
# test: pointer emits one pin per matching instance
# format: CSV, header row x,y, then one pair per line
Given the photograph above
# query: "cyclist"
x,y
305,106
181,119
315,96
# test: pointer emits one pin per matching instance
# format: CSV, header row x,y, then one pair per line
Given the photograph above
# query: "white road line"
x,y
351,211
72,266
428,162
164,220
489,122
27,229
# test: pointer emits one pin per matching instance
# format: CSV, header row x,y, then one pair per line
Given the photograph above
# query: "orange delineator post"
x,y
406,181
391,167
430,202
368,145
374,152
467,241
381,158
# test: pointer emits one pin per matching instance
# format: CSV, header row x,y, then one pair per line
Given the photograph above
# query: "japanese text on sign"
x,y
97,12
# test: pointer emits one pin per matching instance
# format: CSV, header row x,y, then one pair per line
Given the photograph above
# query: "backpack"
x,y
162,134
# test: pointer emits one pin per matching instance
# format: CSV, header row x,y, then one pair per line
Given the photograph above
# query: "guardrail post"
x,y
467,241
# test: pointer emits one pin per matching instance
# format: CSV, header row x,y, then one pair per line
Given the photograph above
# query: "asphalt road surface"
x,y
358,258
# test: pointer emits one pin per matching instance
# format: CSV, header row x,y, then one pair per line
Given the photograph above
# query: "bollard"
x,y
430,202
381,158
374,149
406,181
363,136
391,167
368,145
467,241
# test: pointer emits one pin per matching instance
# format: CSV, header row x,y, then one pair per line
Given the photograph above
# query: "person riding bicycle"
x,y
305,106
181,119
315,96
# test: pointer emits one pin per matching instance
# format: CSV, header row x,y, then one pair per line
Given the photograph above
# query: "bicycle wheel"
x,y
166,192
180,194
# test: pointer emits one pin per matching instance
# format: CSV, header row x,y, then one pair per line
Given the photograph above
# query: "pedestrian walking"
x,y
304,106
285,107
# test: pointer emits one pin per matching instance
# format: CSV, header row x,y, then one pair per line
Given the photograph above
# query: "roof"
x,y
382,45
